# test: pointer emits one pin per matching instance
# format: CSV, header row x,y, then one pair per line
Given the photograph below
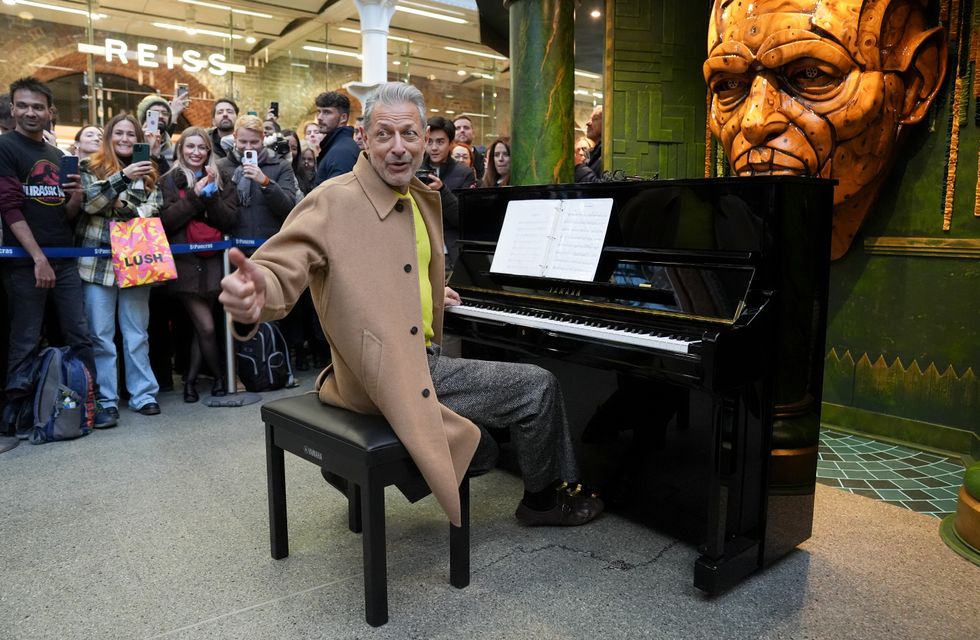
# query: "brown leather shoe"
x,y
576,506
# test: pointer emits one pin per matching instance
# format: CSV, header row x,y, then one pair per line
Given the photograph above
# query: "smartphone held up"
x,y
152,122
67,166
141,152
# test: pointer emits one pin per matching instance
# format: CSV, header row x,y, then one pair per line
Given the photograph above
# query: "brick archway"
x,y
198,113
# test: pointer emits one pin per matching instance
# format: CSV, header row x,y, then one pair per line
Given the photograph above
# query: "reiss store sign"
x,y
150,55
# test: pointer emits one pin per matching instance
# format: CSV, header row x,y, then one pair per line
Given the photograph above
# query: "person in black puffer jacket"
x,y
266,190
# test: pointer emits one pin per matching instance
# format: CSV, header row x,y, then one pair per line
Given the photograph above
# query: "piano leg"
x,y
732,542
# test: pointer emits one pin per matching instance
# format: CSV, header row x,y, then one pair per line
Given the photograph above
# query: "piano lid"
x,y
721,216
692,249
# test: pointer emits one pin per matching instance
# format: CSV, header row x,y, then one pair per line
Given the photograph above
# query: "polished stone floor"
x,y
159,529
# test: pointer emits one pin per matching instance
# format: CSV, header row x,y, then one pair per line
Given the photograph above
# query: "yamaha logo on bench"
x,y
313,453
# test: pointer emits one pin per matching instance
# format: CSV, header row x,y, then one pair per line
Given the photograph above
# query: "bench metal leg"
x,y
459,541
276,476
375,562
353,507
353,494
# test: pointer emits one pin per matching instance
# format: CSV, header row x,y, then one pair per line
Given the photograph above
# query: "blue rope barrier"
x,y
194,247
105,252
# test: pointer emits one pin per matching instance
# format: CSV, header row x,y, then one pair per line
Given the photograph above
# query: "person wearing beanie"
x,y
169,113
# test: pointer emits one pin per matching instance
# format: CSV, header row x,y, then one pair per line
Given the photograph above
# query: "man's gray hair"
x,y
391,94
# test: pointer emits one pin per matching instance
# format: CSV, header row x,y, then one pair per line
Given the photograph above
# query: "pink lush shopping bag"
x,y
140,252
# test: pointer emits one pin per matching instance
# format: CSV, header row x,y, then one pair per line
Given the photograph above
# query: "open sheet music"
x,y
552,238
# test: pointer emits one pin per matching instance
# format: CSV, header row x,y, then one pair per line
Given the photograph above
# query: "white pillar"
x,y
375,17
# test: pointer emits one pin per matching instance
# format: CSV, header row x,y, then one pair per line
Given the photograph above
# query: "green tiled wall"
x,y
658,94
916,305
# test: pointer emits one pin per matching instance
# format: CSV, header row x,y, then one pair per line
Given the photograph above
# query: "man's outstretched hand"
x,y
243,291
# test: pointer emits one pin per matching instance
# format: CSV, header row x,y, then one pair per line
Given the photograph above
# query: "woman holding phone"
x,y
119,181
197,198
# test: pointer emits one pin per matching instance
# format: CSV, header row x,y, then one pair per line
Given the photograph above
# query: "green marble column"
x,y
542,59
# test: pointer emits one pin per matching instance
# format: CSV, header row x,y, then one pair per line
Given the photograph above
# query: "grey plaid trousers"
x,y
504,395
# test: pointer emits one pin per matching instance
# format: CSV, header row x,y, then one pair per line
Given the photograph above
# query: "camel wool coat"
x,y
353,241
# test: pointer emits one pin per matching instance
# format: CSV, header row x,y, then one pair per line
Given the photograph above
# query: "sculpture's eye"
x,y
730,89
812,78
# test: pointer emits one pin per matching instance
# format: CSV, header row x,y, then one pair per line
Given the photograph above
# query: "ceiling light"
x,y
595,13
249,30
299,64
396,62
586,74
461,72
390,37
475,115
54,7
448,111
194,31
225,7
475,53
430,7
336,52
429,14
189,15
434,110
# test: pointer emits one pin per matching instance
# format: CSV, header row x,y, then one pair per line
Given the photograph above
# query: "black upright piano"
x,y
718,286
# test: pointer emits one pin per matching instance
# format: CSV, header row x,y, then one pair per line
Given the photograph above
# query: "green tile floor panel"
x,y
916,480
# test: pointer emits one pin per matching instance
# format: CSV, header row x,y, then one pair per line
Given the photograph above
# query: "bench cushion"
x,y
369,432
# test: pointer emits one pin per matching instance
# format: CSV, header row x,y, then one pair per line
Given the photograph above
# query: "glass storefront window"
x,y
97,72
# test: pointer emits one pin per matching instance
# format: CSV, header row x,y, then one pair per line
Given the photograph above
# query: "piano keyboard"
x,y
584,328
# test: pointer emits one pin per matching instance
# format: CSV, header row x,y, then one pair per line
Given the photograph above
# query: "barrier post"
x,y
234,398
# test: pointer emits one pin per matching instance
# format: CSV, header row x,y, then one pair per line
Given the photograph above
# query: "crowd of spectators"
x,y
241,177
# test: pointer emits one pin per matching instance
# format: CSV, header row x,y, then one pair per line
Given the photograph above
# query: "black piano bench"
x,y
363,452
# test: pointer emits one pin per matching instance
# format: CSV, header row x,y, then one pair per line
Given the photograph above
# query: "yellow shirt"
x,y
424,251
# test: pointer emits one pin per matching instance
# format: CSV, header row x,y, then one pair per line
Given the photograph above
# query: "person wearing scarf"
x,y
266,190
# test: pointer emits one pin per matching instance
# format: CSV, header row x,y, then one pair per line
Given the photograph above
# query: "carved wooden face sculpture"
x,y
821,88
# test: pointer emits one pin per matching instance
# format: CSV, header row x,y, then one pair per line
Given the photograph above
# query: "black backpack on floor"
x,y
263,361
62,404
